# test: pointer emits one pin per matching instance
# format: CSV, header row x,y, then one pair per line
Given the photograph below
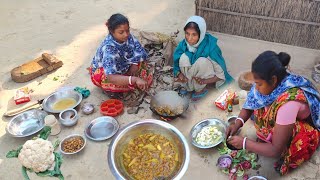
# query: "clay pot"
x,y
245,80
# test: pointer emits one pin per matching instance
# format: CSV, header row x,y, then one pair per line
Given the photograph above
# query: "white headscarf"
x,y
203,28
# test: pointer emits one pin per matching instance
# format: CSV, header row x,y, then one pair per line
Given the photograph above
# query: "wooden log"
x,y
35,68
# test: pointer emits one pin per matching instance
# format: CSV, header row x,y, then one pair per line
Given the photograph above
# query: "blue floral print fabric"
x,y
116,58
256,100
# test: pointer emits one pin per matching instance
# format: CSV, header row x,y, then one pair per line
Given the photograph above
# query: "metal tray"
x,y
26,123
101,128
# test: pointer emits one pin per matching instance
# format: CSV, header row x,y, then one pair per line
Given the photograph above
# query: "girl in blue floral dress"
x,y
119,64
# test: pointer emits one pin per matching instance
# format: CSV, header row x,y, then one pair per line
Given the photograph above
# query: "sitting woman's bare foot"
x,y
198,95
202,81
113,95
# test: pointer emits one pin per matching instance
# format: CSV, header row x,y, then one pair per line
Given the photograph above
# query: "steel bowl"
x,y
48,102
221,125
132,130
71,136
170,99
68,117
231,119
87,108
257,178
26,123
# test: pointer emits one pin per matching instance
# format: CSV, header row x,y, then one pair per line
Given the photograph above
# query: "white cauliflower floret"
x,y
37,155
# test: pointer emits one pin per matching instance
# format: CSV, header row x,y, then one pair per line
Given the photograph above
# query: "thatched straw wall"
x,y
294,22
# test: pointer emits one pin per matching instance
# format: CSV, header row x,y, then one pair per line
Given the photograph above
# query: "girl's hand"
x,y
200,80
141,84
182,78
235,141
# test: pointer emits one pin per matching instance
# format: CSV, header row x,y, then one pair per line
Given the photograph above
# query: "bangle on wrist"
x,y
130,80
244,143
239,118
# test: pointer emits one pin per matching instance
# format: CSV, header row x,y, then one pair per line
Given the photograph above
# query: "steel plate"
x,y
101,128
26,123
221,125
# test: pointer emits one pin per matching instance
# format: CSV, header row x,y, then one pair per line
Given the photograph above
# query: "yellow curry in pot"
x,y
150,156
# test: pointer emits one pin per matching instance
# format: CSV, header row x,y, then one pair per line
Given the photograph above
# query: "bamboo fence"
x,y
294,22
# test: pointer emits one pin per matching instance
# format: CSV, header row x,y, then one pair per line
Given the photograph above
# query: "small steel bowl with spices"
x,y
72,144
68,117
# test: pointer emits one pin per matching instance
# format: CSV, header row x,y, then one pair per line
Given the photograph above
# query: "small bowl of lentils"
x,y
72,144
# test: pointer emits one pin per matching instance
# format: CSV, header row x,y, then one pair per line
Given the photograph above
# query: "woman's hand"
x,y
235,141
200,80
232,129
141,84
182,78
133,70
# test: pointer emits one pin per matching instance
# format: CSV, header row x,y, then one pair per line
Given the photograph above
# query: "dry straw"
x,y
294,22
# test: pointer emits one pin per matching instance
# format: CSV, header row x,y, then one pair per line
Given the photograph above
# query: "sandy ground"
x,y
72,31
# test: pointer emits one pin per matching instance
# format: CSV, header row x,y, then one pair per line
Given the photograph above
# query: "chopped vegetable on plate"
x,y
208,135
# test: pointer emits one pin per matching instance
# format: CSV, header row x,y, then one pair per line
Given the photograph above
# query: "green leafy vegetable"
x,y
241,161
239,153
56,144
224,149
255,166
45,132
24,173
240,172
56,172
235,161
226,171
14,153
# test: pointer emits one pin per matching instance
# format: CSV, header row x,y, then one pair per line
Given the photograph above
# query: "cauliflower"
x,y
37,155
208,135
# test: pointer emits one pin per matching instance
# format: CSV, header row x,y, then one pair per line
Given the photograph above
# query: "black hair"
x,y
269,64
192,25
116,20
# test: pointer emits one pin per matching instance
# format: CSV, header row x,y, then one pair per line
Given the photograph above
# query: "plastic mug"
x,y
51,120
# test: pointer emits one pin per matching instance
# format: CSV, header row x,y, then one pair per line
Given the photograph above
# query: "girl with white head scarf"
x,y
198,60
202,27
